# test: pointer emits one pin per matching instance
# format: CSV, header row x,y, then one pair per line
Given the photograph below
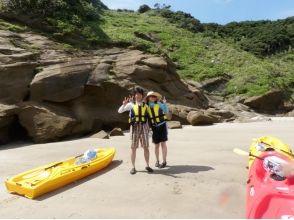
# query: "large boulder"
x,y
201,118
46,122
180,113
269,102
174,124
62,82
116,132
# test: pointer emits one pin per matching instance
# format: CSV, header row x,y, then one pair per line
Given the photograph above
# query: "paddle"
x,y
276,148
245,153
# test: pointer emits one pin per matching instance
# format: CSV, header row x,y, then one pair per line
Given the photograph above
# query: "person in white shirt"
x,y
139,128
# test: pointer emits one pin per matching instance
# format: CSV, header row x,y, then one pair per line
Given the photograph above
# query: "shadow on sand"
x,y
180,169
113,165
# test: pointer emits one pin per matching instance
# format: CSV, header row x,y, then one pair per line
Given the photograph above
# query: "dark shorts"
x,y
159,133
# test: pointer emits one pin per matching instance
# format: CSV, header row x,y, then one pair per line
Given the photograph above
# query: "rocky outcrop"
x,y
180,113
270,102
55,92
63,93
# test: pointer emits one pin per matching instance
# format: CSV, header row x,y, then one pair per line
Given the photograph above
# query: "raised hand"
x,y
131,98
125,101
163,99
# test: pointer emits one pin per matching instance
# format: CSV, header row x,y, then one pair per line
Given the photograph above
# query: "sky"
x,y
218,11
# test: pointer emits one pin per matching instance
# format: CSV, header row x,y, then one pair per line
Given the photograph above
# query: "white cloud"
x,y
123,4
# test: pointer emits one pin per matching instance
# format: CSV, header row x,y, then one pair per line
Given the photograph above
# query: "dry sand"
x,y
204,179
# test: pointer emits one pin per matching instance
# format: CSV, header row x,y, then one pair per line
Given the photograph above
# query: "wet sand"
x,y
204,178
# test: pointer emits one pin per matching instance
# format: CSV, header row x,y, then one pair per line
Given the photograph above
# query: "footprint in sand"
x,y
177,188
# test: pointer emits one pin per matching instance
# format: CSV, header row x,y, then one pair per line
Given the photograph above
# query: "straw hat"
x,y
151,93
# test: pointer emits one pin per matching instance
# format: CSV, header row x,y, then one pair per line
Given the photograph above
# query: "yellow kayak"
x,y
38,181
267,143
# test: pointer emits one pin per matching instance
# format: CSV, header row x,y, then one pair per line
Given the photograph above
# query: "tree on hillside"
x,y
262,38
143,8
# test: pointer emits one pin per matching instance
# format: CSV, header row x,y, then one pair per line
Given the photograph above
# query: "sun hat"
x,y
151,93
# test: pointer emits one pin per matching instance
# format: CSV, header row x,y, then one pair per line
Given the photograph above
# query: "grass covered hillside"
x,y
254,63
200,56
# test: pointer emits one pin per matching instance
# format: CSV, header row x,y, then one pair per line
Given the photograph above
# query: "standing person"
x,y
138,118
157,114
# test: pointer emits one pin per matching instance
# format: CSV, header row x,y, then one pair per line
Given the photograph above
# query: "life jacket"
x,y
156,114
139,113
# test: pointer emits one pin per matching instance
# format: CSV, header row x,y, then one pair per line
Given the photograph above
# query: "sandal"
x,y
149,169
157,164
163,165
133,171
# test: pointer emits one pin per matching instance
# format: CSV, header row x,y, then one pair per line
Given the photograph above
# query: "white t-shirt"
x,y
128,107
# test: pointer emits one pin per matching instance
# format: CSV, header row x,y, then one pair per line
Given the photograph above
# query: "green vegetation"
x,y
12,27
199,56
76,22
261,38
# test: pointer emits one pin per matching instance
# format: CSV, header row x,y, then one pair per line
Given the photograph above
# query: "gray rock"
x,y
101,134
116,132
201,118
174,124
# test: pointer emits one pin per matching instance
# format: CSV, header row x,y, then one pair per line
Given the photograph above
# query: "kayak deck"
x,y
268,196
278,206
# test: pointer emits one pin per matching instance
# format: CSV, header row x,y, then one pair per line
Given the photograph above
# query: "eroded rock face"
x,y
64,92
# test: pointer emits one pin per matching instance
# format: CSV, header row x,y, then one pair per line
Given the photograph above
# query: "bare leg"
x,y
157,152
146,155
133,156
164,151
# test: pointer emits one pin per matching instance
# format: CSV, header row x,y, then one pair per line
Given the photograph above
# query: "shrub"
x,y
143,8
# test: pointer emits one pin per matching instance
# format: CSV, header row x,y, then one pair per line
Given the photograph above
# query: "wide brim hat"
x,y
151,93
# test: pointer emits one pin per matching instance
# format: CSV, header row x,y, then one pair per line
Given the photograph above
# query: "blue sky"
x,y
218,11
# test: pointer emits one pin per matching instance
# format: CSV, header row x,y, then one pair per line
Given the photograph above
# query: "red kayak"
x,y
269,194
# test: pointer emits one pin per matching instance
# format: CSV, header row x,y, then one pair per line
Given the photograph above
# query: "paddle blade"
x,y
240,152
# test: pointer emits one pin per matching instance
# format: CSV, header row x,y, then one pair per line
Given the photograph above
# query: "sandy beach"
x,y
204,178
